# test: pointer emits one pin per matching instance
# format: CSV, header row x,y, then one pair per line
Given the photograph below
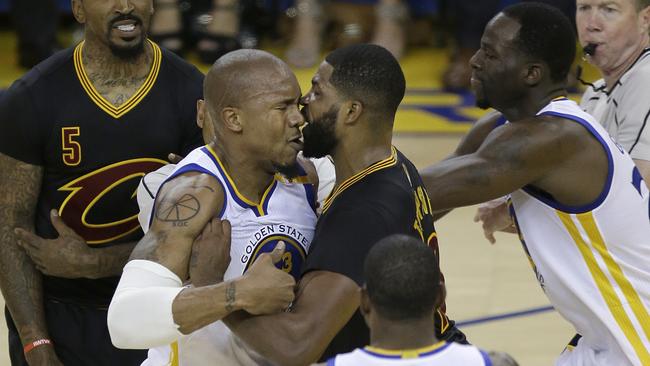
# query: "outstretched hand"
x,y
67,256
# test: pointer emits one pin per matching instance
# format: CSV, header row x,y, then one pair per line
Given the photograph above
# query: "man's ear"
x,y
200,113
533,73
232,119
353,110
78,11
365,307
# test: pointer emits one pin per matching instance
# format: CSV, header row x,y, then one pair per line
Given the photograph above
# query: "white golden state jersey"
x,y
593,262
286,213
439,354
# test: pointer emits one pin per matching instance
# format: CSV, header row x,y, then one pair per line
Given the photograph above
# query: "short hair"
x,y
402,278
369,73
641,4
546,34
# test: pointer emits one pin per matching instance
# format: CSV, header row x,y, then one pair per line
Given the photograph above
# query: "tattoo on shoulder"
x,y
178,211
230,296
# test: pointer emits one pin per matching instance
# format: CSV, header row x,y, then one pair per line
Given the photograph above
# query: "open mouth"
x,y
296,142
127,28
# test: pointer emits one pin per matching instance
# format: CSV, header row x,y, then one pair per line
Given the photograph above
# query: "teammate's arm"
x,y
20,281
511,157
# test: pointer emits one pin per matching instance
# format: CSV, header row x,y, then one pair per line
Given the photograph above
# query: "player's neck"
x,y
100,62
250,180
353,154
612,75
403,335
532,103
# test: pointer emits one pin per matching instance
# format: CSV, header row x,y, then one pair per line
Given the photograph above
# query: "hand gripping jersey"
x,y
286,213
593,261
439,354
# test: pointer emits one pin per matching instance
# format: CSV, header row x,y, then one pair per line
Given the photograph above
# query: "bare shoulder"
x,y
502,359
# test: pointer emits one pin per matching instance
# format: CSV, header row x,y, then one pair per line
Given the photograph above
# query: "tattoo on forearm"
x,y
230,297
178,211
19,188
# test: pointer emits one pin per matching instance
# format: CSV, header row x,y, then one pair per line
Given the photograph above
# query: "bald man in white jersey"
x,y
247,174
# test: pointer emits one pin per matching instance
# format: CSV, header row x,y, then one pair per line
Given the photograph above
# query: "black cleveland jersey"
x,y
386,198
94,153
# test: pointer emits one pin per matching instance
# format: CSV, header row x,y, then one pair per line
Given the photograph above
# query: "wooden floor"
x,y
491,289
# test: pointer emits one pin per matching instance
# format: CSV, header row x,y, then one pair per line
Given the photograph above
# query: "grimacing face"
x,y
617,27
272,122
120,24
321,106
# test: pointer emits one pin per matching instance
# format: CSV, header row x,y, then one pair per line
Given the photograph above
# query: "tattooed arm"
x,y
20,281
184,229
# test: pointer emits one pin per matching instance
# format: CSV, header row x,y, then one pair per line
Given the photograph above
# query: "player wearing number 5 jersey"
x,y
78,132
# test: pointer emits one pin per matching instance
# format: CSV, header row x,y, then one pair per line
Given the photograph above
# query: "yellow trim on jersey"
x,y
602,282
258,206
632,297
382,164
105,105
406,353
173,355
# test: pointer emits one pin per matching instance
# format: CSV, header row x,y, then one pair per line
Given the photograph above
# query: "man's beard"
x,y
126,53
319,137
483,103
289,171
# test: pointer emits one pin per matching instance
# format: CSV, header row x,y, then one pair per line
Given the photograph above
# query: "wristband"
x,y
39,342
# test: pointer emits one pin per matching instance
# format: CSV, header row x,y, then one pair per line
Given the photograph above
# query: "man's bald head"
x,y
240,76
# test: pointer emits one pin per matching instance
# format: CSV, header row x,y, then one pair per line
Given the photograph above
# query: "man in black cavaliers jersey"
x,y
78,132
351,107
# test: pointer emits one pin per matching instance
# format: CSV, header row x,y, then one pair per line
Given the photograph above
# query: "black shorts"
x,y
80,337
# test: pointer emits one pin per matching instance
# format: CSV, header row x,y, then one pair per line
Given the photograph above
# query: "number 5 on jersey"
x,y
70,148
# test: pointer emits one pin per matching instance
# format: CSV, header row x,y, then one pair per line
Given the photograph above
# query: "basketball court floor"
x,y
491,289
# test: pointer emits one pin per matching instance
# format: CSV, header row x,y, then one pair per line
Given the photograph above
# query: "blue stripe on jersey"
x,y
486,358
331,361
610,171
500,121
187,169
231,189
310,192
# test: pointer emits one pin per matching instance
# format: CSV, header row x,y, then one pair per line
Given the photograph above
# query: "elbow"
x,y
122,332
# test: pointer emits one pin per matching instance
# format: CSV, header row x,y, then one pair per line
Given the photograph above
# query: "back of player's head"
x,y
402,278
240,75
546,34
370,74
